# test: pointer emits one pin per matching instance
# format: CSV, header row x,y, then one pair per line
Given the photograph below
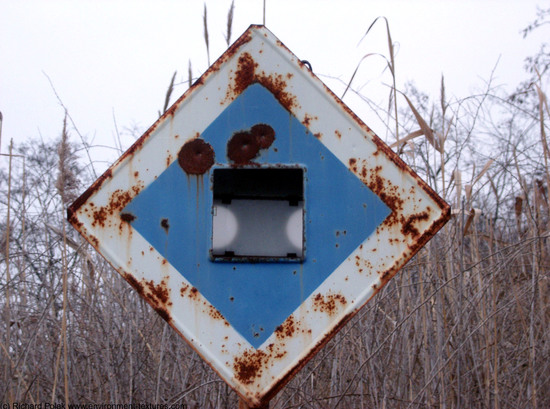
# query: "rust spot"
x,y
384,189
408,228
160,292
196,157
328,303
231,51
164,314
94,241
134,283
156,295
242,148
277,86
338,134
215,314
127,217
281,382
71,210
249,365
275,353
194,293
118,200
246,75
318,135
264,134
165,225
286,329
245,145
353,164
307,120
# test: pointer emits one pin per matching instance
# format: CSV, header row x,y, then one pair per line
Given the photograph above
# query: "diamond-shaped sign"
x,y
258,215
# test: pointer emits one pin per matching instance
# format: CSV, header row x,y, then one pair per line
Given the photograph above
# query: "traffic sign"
x,y
258,214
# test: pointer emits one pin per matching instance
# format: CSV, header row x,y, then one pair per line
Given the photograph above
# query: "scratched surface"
x,y
258,321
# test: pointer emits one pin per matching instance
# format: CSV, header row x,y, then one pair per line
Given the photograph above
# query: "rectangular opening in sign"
x,y
258,214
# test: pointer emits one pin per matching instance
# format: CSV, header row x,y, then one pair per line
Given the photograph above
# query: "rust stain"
x,y
160,292
246,74
157,295
276,84
286,329
338,134
127,217
215,314
196,157
281,382
102,215
249,365
275,353
242,148
264,134
194,293
329,303
393,197
363,264
189,291
408,225
382,147
71,210
245,145
307,120
164,223
353,165
231,51
94,241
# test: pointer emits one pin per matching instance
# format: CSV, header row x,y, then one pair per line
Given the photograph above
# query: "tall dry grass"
x,y
465,324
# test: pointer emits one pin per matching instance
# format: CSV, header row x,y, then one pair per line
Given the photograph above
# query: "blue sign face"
x,y
174,214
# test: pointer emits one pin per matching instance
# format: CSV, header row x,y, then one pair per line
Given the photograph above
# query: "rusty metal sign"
x,y
258,215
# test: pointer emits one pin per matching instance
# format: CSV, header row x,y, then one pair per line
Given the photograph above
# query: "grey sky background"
x,y
113,60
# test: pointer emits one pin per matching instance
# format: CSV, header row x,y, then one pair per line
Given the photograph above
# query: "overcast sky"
x,y
114,59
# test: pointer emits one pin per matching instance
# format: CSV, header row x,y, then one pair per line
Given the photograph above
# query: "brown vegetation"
x,y
465,324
